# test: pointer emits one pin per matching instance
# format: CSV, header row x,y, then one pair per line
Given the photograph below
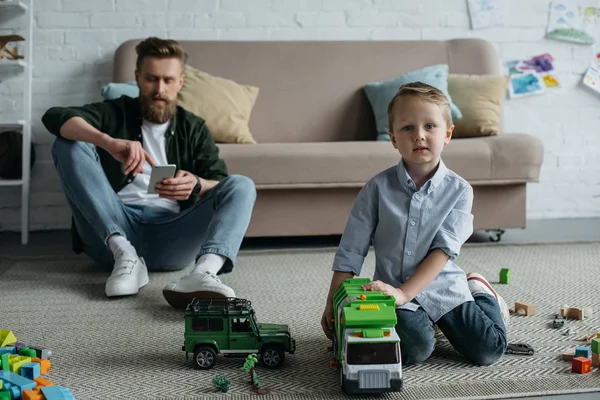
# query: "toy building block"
x,y
583,351
572,312
596,359
16,362
41,381
8,350
595,345
524,308
569,354
44,365
581,365
505,276
57,393
28,352
4,362
33,394
30,370
5,395
16,381
40,352
6,338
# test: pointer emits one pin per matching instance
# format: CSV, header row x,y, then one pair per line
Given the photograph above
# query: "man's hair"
x,y
424,92
160,48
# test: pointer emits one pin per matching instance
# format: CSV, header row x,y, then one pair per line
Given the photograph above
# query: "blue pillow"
x,y
381,93
114,90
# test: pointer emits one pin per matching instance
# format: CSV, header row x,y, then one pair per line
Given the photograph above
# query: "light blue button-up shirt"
x,y
404,225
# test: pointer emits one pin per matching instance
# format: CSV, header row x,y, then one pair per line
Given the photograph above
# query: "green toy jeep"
x,y
229,326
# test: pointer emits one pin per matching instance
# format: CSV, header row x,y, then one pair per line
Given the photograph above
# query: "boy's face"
x,y
419,131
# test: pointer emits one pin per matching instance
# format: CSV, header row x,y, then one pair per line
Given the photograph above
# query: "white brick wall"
x,y
75,40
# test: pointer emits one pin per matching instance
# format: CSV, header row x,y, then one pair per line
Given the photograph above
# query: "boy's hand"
x,y
327,322
401,298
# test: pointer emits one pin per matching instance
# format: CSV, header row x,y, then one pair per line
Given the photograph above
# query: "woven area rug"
x,y
131,348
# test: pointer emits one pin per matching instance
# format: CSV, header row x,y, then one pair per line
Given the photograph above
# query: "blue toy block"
x,y
583,351
8,350
31,370
57,393
18,381
13,391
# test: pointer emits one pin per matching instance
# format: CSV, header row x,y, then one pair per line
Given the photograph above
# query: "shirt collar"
x,y
433,182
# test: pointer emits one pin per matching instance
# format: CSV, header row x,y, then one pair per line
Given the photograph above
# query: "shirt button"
x,y
409,253
412,223
406,277
417,196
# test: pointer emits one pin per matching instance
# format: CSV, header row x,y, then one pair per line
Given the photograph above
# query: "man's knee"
x,y
242,185
65,149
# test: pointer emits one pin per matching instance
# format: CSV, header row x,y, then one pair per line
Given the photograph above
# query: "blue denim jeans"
x,y
475,329
167,240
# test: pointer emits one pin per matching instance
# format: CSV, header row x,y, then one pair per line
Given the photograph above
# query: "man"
x,y
104,153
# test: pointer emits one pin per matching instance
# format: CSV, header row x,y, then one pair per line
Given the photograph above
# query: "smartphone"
x,y
160,172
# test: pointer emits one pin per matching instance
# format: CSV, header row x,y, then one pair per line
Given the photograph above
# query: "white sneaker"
x,y
202,285
129,275
478,284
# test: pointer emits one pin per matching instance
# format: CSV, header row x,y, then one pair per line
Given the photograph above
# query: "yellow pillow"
x,y
479,98
223,104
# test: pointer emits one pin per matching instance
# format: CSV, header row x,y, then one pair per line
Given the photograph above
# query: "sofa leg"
x,y
495,234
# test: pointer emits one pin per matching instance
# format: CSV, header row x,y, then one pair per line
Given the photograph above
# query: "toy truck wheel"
x,y
205,357
272,356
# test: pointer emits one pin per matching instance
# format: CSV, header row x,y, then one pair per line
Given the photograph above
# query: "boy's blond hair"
x,y
160,48
424,92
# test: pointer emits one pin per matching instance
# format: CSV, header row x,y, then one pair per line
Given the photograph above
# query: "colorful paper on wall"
x,y
574,21
532,76
486,13
592,76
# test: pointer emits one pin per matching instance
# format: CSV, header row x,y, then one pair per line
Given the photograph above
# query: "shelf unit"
x,y
25,10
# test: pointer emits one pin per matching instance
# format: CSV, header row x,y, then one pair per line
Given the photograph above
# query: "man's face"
x,y
159,80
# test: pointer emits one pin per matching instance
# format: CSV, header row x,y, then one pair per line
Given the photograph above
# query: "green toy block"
x,y
26,351
596,345
505,276
6,338
5,395
4,364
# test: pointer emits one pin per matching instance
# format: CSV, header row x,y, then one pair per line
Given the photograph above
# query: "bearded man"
x,y
104,153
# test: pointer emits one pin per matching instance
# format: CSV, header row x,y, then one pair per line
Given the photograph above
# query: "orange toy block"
x,y
33,394
524,308
44,365
569,354
596,359
45,382
581,365
572,312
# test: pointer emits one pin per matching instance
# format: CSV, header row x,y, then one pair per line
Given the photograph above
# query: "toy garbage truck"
x,y
366,346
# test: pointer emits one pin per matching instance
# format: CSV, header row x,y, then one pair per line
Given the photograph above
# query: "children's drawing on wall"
x,y
532,76
574,21
486,13
592,76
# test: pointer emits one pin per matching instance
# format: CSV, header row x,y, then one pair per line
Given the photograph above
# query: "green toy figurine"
x,y
221,383
249,369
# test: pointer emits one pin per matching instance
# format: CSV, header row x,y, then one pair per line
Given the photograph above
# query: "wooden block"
x,y
569,354
596,359
524,308
581,365
572,312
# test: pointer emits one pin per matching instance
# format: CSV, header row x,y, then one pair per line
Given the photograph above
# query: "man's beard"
x,y
157,112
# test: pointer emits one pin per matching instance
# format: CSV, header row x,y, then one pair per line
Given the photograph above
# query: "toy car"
x,y
559,321
229,326
519,348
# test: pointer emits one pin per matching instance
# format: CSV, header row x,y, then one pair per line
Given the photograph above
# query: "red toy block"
x,y
581,365
44,365
33,394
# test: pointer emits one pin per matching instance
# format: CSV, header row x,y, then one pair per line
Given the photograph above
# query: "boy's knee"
x,y
415,354
484,358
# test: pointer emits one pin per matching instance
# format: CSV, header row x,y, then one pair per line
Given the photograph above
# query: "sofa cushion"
x,y
381,93
486,160
480,99
114,90
225,105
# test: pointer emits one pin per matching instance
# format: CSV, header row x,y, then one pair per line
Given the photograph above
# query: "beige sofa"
x,y
315,128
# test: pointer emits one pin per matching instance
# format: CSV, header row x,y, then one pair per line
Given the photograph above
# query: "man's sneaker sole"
x,y
180,300
114,292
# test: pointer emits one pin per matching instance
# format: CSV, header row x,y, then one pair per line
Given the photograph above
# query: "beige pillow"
x,y
223,104
479,98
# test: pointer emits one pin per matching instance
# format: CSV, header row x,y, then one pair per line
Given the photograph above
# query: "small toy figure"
x,y
519,348
559,321
249,369
221,383
5,51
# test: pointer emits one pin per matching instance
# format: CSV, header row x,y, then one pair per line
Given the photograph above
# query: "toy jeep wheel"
x,y
205,357
272,356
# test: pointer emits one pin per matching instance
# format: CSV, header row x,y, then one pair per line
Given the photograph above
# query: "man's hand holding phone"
x,y
178,188
130,153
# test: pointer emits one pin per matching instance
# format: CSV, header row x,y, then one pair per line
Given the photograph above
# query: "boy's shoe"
x,y
478,284
204,285
129,275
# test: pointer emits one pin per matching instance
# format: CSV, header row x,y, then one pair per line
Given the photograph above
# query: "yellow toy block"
x,y
6,338
16,362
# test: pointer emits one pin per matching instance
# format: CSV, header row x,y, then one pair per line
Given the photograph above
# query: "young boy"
x,y
417,215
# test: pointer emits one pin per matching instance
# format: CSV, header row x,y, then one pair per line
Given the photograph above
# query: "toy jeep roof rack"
x,y
218,306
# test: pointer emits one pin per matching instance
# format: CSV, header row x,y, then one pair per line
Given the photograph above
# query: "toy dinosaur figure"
x,y
5,51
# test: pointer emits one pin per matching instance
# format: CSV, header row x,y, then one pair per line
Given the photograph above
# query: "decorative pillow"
x,y
480,99
115,90
224,104
381,93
